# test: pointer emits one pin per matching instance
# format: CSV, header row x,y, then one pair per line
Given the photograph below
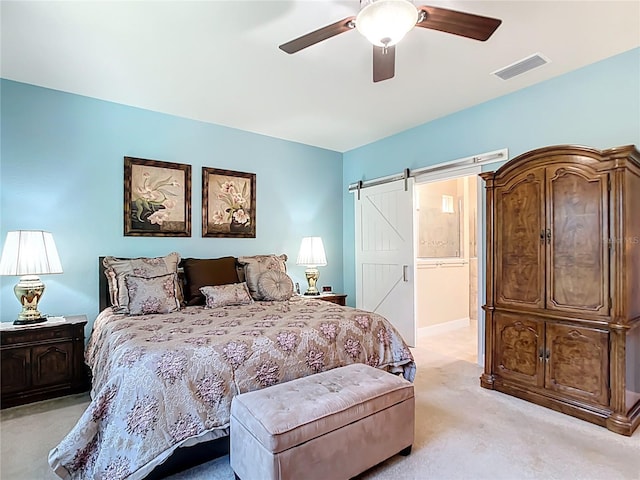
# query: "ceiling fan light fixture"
x,y
385,22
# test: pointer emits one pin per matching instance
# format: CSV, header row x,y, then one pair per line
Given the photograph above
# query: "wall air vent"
x,y
521,66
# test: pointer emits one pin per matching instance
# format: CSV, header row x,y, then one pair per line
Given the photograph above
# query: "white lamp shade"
x,y
29,252
386,22
312,252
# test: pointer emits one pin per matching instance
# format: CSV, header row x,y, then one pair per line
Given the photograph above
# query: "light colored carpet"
x,y
462,432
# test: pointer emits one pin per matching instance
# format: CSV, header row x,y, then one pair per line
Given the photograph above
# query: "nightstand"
x,y
337,298
42,361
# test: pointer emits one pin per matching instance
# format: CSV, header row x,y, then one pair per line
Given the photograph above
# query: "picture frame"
x,y
157,198
228,203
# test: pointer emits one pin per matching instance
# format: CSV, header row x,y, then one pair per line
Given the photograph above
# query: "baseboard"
x,y
444,327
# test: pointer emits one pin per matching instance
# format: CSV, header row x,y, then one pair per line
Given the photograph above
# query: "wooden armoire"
x,y
562,313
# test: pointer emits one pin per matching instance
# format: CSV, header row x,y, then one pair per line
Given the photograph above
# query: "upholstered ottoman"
x,y
328,426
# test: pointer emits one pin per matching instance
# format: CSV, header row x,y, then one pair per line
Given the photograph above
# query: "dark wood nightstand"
x,y
337,298
42,361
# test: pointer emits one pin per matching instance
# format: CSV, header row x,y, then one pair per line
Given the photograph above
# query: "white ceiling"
x,y
218,61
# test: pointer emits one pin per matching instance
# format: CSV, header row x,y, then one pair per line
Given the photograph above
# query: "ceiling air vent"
x,y
521,66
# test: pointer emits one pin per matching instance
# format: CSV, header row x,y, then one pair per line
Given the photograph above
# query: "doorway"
x,y
446,261
403,269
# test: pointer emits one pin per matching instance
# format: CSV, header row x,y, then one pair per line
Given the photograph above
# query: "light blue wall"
x,y
62,170
597,106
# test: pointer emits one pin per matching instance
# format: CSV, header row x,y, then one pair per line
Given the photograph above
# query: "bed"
x,y
165,381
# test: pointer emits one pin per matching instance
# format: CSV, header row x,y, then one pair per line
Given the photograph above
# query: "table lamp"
x,y
312,256
29,253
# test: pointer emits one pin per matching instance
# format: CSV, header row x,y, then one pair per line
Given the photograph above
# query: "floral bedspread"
x,y
162,381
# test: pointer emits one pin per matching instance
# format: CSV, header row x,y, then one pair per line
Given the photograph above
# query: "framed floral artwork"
x,y
157,198
228,203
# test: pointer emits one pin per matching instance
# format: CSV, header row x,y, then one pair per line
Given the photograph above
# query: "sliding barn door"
x,y
384,254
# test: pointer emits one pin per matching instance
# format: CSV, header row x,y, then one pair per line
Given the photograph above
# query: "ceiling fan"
x,y
385,22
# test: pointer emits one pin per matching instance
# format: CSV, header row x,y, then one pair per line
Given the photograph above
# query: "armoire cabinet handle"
x,y
549,236
542,236
541,350
547,355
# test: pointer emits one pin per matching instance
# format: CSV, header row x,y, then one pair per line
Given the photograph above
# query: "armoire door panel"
x,y
519,244
577,362
577,240
519,348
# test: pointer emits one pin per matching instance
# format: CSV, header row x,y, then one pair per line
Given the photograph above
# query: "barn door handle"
x,y
404,273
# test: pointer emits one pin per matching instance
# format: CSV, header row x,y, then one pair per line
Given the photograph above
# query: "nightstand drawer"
x,y
337,298
28,335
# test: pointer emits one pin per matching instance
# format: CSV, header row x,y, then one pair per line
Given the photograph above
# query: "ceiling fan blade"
x,y
319,35
384,63
458,23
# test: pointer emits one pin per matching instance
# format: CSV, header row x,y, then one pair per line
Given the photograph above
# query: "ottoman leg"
x,y
406,451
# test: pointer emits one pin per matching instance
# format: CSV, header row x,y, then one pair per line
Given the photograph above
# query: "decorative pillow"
x,y
258,264
275,285
116,269
152,295
222,295
207,272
